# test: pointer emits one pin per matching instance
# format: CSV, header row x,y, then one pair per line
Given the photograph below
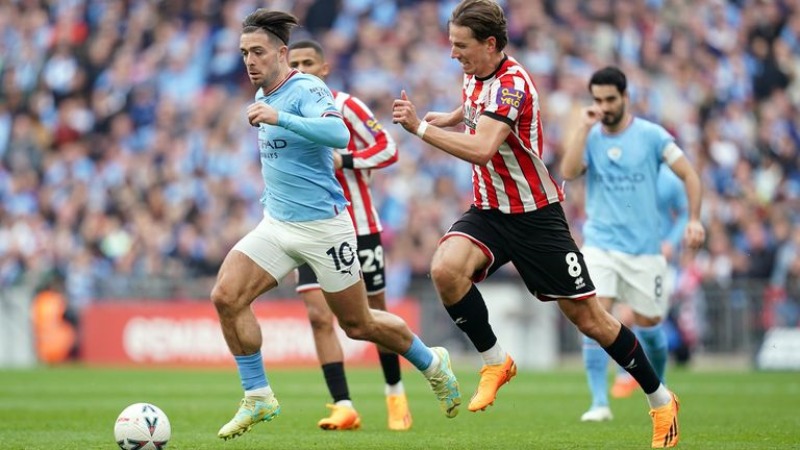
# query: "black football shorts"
x,y
538,243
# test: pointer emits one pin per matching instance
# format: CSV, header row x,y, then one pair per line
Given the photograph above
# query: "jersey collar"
x,y
291,73
621,130
491,75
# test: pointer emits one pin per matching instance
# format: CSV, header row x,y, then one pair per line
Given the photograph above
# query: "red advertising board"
x,y
188,333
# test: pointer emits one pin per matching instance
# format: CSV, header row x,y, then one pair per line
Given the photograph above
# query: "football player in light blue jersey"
x,y
305,221
296,161
621,156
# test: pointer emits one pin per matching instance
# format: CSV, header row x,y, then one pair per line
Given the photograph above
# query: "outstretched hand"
x,y
404,113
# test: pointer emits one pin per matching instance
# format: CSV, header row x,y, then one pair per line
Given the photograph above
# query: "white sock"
x,y
347,403
394,389
494,356
260,392
660,397
433,367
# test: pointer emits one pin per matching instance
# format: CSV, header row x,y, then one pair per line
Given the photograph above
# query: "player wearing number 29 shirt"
x,y
516,215
370,147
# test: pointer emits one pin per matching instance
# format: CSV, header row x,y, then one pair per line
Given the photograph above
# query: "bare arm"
x,y
477,148
445,120
695,232
572,165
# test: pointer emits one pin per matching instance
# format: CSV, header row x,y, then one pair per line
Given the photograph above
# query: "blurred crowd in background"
x,y
125,150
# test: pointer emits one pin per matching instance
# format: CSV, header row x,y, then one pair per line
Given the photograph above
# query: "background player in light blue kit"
x,y
305,221
621,156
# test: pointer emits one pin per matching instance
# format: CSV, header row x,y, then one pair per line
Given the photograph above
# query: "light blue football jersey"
x,y
621,188
673,206
298,174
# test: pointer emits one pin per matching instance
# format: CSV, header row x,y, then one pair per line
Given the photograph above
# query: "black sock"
x,y
336,380
628,353
470,314
390,363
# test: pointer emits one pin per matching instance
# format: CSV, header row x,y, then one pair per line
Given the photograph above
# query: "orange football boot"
x,y
665,424
492,378
399,414
341,418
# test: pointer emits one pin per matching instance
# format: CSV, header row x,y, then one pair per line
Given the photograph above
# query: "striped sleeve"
x,y
506,97
374,148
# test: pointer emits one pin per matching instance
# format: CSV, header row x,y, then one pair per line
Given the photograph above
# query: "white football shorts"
x,y
639,281
328,246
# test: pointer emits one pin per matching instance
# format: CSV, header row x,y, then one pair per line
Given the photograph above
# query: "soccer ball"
x,y
142,426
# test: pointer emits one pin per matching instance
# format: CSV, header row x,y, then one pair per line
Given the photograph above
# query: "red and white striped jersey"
x,y
372,148
516,179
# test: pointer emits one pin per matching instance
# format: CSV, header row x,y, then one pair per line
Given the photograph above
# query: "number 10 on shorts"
x,y
343,257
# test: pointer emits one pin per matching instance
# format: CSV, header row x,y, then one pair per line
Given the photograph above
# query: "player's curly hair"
x,y
485,18
275,23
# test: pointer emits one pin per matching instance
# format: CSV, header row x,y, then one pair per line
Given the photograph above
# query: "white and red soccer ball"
x,y
142,426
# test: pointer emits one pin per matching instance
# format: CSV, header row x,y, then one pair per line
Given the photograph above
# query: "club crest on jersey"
x,y
614,153
320,92
471,117
507,96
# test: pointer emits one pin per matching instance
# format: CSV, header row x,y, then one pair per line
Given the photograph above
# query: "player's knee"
x,y
445,275
359,331
223,298
321,321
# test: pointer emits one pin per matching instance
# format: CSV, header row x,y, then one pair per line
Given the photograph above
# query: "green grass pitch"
x,y
75,408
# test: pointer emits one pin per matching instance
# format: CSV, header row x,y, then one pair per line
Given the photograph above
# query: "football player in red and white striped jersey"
x,y
370,147
516,214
